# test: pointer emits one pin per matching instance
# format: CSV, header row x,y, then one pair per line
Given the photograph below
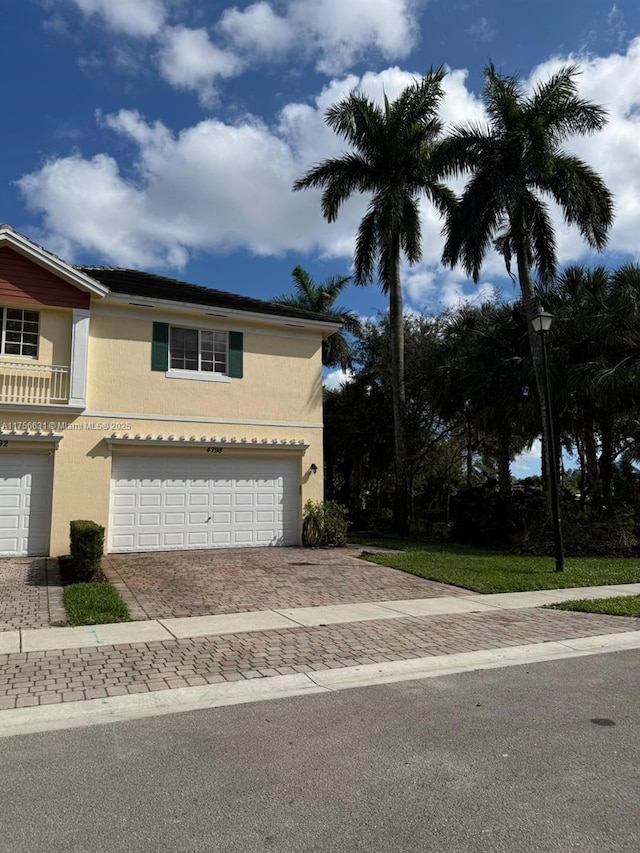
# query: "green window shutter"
x,y
235,355
160,347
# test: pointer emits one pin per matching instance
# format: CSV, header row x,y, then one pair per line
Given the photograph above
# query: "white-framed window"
x,y
199,350
19,332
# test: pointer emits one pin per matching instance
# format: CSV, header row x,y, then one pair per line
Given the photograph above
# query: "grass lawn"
x,y
497,571
622,605
94,604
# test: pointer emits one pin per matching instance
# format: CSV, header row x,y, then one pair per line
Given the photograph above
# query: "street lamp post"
x,y
541,324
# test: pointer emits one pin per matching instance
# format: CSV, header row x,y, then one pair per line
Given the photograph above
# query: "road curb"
x,y
115,709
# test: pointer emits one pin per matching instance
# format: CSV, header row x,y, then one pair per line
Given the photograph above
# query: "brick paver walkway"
x,y
26,601
64,676
198,583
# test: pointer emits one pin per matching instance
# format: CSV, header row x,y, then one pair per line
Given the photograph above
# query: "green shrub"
x,y
87,546
324,523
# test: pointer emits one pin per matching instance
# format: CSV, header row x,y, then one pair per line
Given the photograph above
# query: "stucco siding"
x,y
82,462
281,381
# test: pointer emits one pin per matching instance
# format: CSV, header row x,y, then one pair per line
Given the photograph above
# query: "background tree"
x,y
596,349
484,376
321,299
392,162
517,166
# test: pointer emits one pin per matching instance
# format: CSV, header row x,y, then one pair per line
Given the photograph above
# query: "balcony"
x,y
38,384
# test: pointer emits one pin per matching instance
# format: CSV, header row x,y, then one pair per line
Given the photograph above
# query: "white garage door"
x,y
162,503
25,504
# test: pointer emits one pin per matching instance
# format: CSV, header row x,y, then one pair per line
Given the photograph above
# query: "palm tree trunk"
x,y
531,309
396,329
469,455
606,462
504,464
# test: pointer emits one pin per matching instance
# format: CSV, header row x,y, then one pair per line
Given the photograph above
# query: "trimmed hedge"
x,y
87,547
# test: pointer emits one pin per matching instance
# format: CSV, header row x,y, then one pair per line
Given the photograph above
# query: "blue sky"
x,y
165,134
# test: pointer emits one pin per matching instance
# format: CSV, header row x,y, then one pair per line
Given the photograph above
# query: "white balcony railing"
x,y
33,383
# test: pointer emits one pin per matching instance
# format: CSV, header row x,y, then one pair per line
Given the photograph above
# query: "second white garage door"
x,y
164,503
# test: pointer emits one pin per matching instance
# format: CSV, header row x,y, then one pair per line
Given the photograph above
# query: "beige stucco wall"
x,y
281,393
281,382
82,462
54,346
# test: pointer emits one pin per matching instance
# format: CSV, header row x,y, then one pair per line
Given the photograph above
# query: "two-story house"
x,y
175,415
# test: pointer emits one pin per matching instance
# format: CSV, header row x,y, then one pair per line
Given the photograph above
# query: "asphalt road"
x,y
528,758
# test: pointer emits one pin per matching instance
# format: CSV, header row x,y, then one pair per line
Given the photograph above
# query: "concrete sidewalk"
x,y
60,677
157,630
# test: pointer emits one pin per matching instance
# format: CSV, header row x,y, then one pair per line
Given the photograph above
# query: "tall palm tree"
x,y
391,160
321,299
517,166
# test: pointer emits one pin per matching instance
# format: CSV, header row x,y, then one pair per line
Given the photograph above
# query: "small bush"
x,y
87,546
325,523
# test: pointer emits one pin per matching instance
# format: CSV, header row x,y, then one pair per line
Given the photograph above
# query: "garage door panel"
x,y
198,518
266,517
125,501
174,518
150,519
149,540
151,500
242,502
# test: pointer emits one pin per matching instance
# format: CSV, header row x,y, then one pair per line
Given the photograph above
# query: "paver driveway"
x,y
30,594
197,583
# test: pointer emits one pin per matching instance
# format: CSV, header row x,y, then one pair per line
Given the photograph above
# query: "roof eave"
x,y
274,319
19,243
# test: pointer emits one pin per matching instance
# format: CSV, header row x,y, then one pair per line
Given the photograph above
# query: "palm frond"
x,y
411,232
555,105
366,247
503,97
340,177
541,241
583,197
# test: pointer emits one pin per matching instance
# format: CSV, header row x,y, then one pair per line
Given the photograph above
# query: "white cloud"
x,y
342,32
332,33
481,30
138,18
188,59
219,186
528,464
335,32
258,28
613,82
617,24
335,379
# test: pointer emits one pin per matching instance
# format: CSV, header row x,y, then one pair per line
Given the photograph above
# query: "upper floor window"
x,y
19,332
197,349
